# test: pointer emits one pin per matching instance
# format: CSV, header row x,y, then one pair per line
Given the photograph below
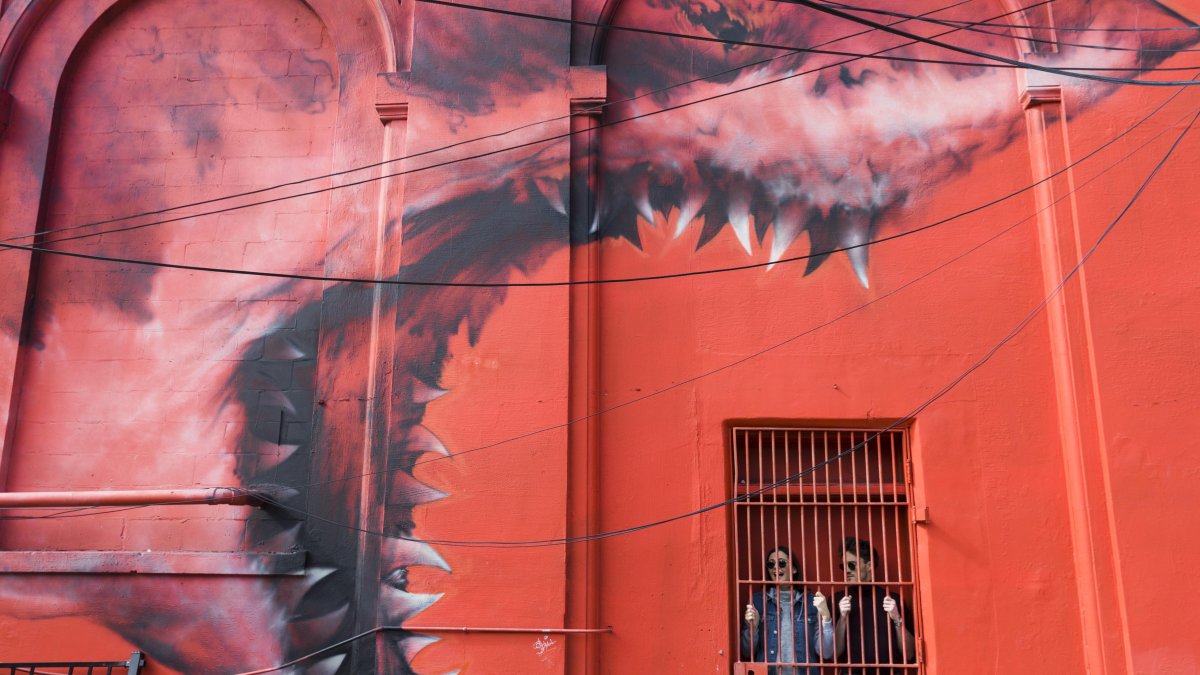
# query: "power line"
x,y
845,453
975,28
785,342
539,284
1074,29
855,56
586,111
792,50
1072,72
740,361
401,282
1066,71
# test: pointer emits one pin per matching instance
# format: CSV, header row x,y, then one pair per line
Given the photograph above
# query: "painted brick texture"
x,y
126,383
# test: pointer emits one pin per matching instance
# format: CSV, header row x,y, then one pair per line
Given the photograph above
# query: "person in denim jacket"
x,y
805,636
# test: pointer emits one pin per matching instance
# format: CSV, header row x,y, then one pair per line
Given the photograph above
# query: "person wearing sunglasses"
x,y
871,627
784,623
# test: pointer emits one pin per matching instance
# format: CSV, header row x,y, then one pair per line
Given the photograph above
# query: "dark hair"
x,y
786,551
861,548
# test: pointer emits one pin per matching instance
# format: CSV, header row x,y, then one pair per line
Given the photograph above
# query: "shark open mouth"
x,y
816,151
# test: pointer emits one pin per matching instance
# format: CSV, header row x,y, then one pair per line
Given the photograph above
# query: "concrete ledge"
x,y
151,562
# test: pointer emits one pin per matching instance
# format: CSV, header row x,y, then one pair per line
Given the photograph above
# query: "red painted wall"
x,y
1057,477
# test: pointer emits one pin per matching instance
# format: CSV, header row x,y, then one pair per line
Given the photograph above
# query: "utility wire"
x,y
975,28
658,392
1074,72
312,655
580,282
1073,29
407,282
597,108
1067,71
774,347
534,543
790,49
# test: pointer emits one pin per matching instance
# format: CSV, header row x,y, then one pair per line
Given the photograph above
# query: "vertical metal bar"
x,y
737,539
774,505
790,490
884,548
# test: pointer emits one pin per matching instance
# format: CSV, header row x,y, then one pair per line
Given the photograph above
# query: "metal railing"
x,y
131,667
800,500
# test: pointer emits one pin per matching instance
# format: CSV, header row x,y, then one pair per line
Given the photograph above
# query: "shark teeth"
x,y
397,606
788,223
552,190
408,552
421,440
689,209
318,629
411,645
641,197
327,666
423,392
739,217
856,232
271,455
408,491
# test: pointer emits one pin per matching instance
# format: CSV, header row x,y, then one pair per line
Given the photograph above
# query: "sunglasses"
x,y
772,564
851,566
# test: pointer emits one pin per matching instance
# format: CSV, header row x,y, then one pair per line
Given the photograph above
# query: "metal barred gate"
x,y
810,490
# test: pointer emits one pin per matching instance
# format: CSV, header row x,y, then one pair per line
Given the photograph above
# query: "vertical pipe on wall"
x,y
588,90
392,106
1093,544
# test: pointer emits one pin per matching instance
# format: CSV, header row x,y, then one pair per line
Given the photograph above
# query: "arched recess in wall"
x,y
125,374
140,378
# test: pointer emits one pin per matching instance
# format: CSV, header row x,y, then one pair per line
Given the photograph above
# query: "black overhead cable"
x,y
1067,72
1001,62
1025,321
754,355
855,56
974,28
790,49
581,282
1073,29
795,337
406,282
586,111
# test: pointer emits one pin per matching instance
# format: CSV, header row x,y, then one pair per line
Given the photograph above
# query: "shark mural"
x,y
785,152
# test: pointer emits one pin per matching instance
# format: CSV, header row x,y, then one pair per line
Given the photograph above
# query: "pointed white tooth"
x,y
739,220
411,645
292,593
550,190
688,210
424,393
739,216
397,606
409,552
858,259
286,540
271,455
327,666
407,490
318,629
274,397
595,226
855,234
786,228
642,202
421,440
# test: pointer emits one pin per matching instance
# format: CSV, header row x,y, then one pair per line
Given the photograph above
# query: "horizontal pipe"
x,y
481,629
208,495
